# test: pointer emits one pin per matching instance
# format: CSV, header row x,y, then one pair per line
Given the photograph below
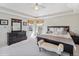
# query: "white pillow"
x,y
52,29
60,30
57,31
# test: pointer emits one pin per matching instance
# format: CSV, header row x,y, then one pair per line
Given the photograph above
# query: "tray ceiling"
x,y
49,8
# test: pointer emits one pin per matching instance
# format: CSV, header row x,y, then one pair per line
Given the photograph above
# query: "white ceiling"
x,y
49,8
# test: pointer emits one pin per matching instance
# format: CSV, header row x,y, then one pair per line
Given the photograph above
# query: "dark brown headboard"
x,y
68,29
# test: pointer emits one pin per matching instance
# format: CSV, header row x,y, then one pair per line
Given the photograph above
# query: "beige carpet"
x,y
29,48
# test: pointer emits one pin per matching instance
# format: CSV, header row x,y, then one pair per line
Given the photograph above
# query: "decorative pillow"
x,y
57,31
51,30
63,30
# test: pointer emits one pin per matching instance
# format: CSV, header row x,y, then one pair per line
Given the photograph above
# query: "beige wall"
x,y
70,20
7,28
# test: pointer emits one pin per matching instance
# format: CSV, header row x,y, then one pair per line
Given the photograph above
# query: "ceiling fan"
x,y
38,6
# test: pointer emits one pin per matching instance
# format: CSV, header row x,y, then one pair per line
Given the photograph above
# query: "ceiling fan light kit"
x,y
36,7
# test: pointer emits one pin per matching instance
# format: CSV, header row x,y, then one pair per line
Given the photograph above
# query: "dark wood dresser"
x,y
16,36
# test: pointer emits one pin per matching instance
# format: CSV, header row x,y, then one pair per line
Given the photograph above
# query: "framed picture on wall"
x,y
25,23
3,22
16,24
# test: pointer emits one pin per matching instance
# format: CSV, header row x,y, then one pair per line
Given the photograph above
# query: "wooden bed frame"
x,y
67,48
68,28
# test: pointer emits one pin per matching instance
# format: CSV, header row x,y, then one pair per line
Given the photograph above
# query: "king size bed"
x,y
57,35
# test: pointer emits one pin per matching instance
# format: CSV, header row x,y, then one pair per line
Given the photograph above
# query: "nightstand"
x,y
75,39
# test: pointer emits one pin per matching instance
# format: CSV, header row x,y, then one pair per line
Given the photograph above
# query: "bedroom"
x,y
49,14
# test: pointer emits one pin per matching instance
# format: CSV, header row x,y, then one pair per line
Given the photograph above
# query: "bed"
x,y
57,35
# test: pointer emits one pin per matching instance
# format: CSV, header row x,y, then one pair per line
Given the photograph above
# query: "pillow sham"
x,y
58,30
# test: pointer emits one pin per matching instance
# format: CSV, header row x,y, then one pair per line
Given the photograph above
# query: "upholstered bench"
x,y
51,47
